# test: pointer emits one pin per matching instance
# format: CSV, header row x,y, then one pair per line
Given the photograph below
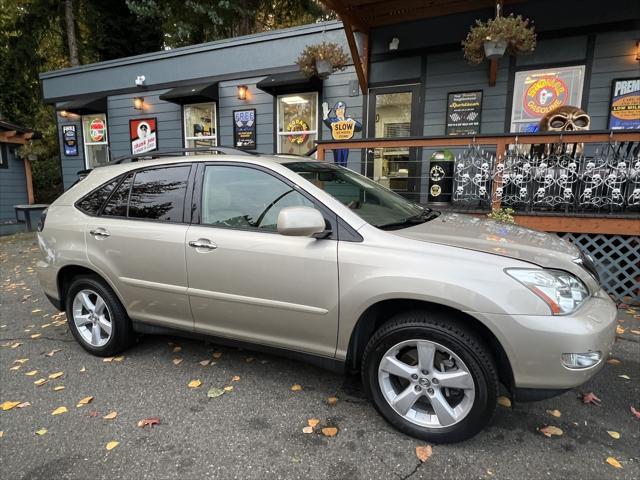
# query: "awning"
x,y
290,82
205,92
84,106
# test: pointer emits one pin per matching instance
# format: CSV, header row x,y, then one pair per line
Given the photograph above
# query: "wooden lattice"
x,y
617,260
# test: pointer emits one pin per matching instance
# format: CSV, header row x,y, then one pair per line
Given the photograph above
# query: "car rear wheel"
x,y
430,377
97,319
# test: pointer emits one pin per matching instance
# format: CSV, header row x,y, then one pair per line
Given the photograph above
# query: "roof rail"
x,y
178,151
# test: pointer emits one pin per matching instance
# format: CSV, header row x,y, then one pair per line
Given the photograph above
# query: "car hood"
x,y
483,235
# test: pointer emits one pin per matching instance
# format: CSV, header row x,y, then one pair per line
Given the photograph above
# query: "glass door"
x,y
393,112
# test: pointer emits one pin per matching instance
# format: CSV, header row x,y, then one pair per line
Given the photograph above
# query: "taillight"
x,y
43,217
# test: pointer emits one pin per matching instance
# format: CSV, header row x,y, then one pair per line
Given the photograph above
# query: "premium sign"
x,y
624,109
70,140
244,128
143,135
463,113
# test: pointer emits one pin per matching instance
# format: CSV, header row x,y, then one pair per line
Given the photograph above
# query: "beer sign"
x,y
624,108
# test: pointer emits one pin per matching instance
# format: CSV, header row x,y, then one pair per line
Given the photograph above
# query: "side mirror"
x,y
300,221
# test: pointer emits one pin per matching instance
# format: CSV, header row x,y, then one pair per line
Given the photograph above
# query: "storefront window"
x,y
538,92
200,125
96,140
297,122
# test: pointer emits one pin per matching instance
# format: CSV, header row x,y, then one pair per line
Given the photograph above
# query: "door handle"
x,y
203,243
99,233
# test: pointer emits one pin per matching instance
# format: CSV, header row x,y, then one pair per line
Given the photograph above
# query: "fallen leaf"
x,y
307,430
41,432
149,421
8,405
313,422
52,352
591,398
36,335
111,415
215,392
83,369
613,434
112,445
118,359
23,405
329,431
108,359
332,400
37,310
93,413
21,360
176,349
58,388
228,388
620,330
249,359
550,430
626,377
31,373
59,410
235,378
614,361
423,452
1,432
53,376
635,412
296,388
554,413
204,363
613,462
84,401
504,401
217,354
41,381
177,361
16,345
15,367
194,384
635,332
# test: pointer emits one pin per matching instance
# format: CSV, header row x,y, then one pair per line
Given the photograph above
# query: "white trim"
x,y
86,144
305,132
214,123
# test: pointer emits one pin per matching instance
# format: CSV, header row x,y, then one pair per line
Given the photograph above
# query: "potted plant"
x,y
322,59
491,39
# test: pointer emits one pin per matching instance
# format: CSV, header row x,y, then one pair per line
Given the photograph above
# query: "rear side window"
x,y
92,203
158,194
117,204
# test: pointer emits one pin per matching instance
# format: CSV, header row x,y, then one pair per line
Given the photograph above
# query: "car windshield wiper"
x,y
423,217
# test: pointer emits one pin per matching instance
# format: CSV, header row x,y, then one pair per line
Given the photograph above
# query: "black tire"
x,y
456,337
122,334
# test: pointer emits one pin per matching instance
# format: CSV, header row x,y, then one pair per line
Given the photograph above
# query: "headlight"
x,y
563,292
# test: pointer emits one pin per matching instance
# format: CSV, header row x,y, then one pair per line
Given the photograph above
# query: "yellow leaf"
x,y
111,415
37,310
235,378
45,325
296,388
53,376
1,434
52,352
36,335
41,381
613,462
635,332
21,360
8,405
329,431
83,369
504,402
423,452
626,377
332,400
23,405
194,384
307,430
554,413
204,363
228,388
58,388
59,410
613,434
217,354
112,445
619,331
85,401
118,359
42,431
176,349
312,422
15,367
31,373
108,359
550,430
16,345
177,361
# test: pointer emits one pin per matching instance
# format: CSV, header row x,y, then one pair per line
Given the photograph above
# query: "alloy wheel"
x,y
92,318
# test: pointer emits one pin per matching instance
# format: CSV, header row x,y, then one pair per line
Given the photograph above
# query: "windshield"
x,y
375,204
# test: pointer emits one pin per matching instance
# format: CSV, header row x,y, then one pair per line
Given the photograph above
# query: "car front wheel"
x,y
430,377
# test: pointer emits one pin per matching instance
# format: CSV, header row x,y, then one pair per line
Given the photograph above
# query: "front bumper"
x,y
535,344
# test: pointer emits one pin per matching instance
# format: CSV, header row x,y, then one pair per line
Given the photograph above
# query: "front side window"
x,y
96,140
200,125
241,197
159,194
297,122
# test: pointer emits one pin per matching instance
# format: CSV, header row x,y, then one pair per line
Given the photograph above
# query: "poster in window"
x,y
143,135
624,109
244,129
70,140
463,113
538,92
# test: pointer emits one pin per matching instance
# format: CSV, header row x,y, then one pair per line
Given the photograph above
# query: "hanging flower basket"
x,y
491,39
322,59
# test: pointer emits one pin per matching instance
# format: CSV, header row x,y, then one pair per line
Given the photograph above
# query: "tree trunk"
x,y
72,41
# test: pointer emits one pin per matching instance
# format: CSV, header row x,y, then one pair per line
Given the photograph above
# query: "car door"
x,y
138,242
248,282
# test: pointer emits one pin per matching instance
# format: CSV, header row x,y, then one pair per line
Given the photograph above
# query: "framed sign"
x,y
244,129
70,140
464,110
143,135
624,108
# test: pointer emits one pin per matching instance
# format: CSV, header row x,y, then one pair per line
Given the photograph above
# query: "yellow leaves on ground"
x,y
176,349
554,413
228,388
84,401
626,377
235,378
215,392
111,415
16,345
504,402
58,388
332,400
307,430
296,388
41,381
613,434
8,405
177,361
550,430
21,360
423,452
329,431
313,422
118,359
52,352
23,405
41,432
59,411
31,373
619,331
36,335
15,367
614,361
613,462
53,376
112,445
204,363
113,359
194,384
82,370
1,434
37,310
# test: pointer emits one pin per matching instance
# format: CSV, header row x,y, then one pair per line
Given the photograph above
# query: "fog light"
x,y
581,360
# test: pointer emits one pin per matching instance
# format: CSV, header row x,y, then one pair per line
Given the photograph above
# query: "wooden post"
x,y
493,72
29,180
320,153
501,146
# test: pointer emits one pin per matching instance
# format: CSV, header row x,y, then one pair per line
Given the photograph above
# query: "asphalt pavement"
x,y
255,430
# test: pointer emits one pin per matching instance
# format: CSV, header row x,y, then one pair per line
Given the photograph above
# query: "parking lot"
x,y
255,429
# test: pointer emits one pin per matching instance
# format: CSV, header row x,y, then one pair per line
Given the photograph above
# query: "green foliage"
x,y
517,32
332,52
504,215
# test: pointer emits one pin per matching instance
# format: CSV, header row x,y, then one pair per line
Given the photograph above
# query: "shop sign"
x,y
244,129
544,95
143,135
70,140
463,113
97,130
297,125
624,108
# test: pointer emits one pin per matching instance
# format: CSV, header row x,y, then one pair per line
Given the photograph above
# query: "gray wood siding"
x,y
13,187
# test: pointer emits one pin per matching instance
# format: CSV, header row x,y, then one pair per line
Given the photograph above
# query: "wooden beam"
x,y
358,60
493,72
604,225
29,180
13,137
